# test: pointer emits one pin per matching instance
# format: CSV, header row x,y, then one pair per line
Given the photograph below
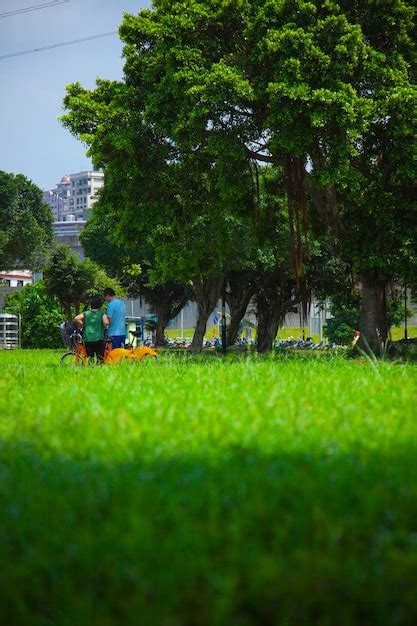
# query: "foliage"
x,y
25,223
41,316
183,214
102,246
212,90
292,80
237,487
182,208
67,280
73,282
345,309
341,329
299,83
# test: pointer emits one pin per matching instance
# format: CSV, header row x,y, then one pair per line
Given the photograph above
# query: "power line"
x,y
57,45
36,7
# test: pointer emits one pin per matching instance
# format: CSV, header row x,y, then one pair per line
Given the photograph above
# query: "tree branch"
x,y
260,157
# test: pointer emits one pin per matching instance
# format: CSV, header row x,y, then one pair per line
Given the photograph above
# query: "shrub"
x,y
40,313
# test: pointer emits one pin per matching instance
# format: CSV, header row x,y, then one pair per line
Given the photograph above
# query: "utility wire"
x,y
36,7
56,45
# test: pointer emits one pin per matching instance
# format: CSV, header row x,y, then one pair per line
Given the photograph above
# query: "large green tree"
x,y
316,87
188,207
323,89
25,223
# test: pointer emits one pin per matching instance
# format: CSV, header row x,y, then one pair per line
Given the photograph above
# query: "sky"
x,y
32,140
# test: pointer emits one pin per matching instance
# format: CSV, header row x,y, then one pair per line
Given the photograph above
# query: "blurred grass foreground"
x,y
273,492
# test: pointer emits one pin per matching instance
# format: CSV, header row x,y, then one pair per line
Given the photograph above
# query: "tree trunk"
x,y
269,320
374,318
325,200
277,295
236,316
240,289
166,301
207,293
199,332
69,313
161,325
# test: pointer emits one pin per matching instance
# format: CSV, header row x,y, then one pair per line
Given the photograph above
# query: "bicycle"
x,y
77,354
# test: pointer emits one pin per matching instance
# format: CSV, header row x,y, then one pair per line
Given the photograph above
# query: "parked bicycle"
x,y
73,340
77,355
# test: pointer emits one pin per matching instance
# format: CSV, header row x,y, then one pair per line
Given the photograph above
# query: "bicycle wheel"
x,y
70,360
67,360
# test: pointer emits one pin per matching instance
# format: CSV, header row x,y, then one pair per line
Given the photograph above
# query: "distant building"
x,y
58,198
71,202
68,233
12,281
74,196
84,188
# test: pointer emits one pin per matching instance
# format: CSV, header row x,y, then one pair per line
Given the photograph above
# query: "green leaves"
x,y
40,315
73,282
214,87
25,223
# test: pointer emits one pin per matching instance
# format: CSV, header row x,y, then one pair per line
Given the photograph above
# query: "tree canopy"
x,y
73,282
323,91
25,223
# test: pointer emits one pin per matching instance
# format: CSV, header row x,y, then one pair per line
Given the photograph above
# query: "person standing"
x,y
94,321
116,312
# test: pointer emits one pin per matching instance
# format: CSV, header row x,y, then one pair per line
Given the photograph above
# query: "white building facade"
x,y
12,280
74,196
16,278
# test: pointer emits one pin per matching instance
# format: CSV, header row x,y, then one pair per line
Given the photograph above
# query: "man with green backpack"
x,y
94,322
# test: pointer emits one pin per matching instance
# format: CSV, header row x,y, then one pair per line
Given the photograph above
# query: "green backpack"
x,y
93,325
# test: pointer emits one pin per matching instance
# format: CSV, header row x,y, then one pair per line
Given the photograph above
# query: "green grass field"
x,y
201,492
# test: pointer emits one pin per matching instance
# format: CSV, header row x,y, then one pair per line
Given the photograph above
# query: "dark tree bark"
x,y
374,317
207,293
276,297
326,203
325,200
161,324
239,291
269,318
297,210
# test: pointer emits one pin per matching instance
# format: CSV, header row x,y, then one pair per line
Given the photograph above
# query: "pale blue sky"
x,y
32,141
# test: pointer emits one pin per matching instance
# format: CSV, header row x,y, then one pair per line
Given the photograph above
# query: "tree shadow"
x,y
239,538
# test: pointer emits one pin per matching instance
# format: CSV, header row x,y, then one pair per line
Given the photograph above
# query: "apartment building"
x,y
74,196
84,188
